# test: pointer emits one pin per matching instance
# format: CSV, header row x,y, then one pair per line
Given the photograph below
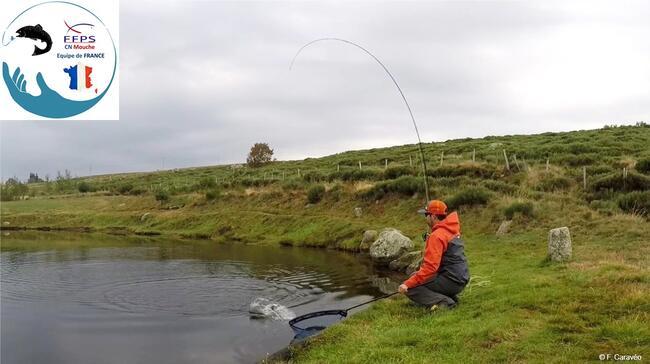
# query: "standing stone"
x,y
389,246
559,244
357,211
504,227
369,237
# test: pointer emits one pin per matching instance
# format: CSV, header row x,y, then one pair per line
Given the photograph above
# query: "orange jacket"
x,y
435,247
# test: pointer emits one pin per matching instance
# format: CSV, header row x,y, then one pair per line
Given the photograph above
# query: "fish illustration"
x,y
36,33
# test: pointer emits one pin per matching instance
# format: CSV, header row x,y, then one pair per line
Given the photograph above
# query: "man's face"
x,y
430,220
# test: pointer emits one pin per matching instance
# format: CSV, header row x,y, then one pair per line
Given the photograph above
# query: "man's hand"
x,y
402,288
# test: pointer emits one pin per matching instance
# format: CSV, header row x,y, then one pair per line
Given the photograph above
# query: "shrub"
x,y
469,197
499,186
580,160
84,187
405,185
523,208
637,202
315,193
125,188
138,191
212,193
255,182
357,175
206,182
553,183
616,182
643,165
314,176
580,148
604,206
162,196
469,169
291,185
395,172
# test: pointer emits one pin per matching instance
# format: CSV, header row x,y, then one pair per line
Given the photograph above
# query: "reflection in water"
x,y
98,298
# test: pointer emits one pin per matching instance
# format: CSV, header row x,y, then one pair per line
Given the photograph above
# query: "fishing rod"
x,y
424,164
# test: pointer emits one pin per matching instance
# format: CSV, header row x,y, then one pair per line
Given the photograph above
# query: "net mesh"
x,y
312,323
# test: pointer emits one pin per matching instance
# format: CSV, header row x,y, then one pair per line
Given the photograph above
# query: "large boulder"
x,y
389,246
559,244
369,237
405,260
414,267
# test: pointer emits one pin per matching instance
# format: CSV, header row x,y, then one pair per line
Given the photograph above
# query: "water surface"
x,y
91,298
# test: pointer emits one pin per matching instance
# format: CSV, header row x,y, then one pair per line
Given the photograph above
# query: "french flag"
x,y
80,77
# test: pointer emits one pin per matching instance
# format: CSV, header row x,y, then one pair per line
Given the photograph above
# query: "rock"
x,y
385,284
389,246
6,223
144,216
504,227
357,211
414,267
405,260
309,205
369,237
559,244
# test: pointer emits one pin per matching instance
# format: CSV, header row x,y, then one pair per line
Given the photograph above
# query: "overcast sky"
x,y
201,81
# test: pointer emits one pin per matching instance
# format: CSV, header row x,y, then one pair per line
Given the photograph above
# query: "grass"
x,y
519,308
543,313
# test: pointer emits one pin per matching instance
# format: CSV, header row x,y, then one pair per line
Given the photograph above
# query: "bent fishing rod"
x,y
424,164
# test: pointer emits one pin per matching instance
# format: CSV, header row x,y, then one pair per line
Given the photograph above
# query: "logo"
x,y
36,33
59,60
78,40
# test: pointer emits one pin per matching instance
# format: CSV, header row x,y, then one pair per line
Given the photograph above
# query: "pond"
x,y
92,298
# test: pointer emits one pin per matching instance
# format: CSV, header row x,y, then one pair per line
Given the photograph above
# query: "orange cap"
x,y
435,207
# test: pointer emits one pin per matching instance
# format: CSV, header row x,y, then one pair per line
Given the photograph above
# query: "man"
x,y
443,273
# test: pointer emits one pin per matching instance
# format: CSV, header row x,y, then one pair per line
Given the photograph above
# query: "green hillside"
x,y
518,308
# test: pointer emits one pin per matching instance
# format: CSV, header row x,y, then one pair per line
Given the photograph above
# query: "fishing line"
x,y
424,164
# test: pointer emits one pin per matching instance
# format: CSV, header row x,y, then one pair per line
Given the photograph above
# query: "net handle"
x,y
371,301
307,316
382,297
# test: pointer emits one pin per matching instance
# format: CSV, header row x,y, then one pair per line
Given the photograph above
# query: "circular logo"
x,y
59,59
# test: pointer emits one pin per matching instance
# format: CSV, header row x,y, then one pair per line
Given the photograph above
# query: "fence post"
x,y
442,157
410,161
517,163
338,167
505,156
584,177
386,163
359,165
283,175
624,178
474,155
298,172
546,164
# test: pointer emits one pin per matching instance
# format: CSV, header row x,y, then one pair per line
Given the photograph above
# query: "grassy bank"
x,y
519,308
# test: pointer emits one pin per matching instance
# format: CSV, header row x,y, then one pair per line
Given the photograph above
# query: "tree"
x,y
162,196
259,155
33,178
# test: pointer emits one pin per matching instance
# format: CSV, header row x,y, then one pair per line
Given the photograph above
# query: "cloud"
x,y
201,81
